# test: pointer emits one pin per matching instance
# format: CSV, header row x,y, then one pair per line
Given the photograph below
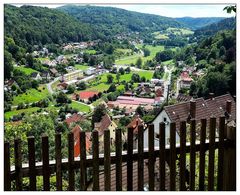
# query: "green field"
x,y
9,114
81,67
133,58
180,31
27,71
99,87
160,36
90,51
80,107
31,95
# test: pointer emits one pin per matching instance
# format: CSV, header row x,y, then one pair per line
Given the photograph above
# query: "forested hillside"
x,y
31,25
111,21
195,23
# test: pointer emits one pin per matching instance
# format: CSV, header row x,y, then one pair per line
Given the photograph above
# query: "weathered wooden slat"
x,y
202,155
71,178
211,154
45,167
182,155
118,159
151,159
7,179
162,156
172,156
140,159
129,159
95,161
107,161
31,159
83,173
192,155
58,158
221,154
18,163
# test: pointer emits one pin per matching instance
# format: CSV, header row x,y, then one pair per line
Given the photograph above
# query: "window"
x,y
164,119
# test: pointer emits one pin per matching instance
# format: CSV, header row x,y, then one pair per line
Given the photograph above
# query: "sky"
x,y
180,10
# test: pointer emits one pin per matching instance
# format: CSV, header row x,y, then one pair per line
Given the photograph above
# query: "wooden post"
x,y
71,179
151,159
45,167
118,159
192,154
172,156
107,161
182,155
162,156
31,158
58,158
95,161
83,174
221,153
140,159
7,180
202,155
211,154
18,163
129,159
229,174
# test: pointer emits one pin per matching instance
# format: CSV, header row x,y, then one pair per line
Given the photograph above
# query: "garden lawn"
x,y
80,107
81,67
31,95
90,51
9,114
27,71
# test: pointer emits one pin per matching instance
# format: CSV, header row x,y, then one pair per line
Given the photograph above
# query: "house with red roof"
x,y
185,80
74,119
84,95
76,134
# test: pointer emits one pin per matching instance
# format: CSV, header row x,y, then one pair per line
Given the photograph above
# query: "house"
x,y
74,119
183,98
45,76
90,71
84,95
76,134
9,83
36,76
106,124
198,109
53,72
62,86
185,80
159,92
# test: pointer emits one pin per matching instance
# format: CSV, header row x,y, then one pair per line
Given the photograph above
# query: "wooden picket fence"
x,y
226,169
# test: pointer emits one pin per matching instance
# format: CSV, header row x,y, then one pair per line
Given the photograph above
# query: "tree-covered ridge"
x,y
225,24
31,25
195,23
111,20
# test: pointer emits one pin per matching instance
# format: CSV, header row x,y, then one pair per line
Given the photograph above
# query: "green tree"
x,y
139,62
8,64
98,113
109,78
118,77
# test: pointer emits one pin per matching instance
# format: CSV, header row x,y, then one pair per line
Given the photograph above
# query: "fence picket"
x,y
83,173
182,155
140,158
31,159
18,163
95,161
172,156
129,159
162,156
151,159
45,168
192,154
58,158
71,178
211,154
107,161
202,154
7,180
118,159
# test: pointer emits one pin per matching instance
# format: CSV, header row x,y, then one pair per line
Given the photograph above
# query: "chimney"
x,y
211,96
228,106
193,108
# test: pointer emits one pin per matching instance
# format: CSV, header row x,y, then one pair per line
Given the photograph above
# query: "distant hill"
x,y
109,20
196,23
31,25
225,24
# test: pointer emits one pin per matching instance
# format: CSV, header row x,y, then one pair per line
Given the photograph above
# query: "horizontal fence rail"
x,y
156,158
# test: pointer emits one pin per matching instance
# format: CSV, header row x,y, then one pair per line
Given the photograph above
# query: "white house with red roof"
x,y
185,80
